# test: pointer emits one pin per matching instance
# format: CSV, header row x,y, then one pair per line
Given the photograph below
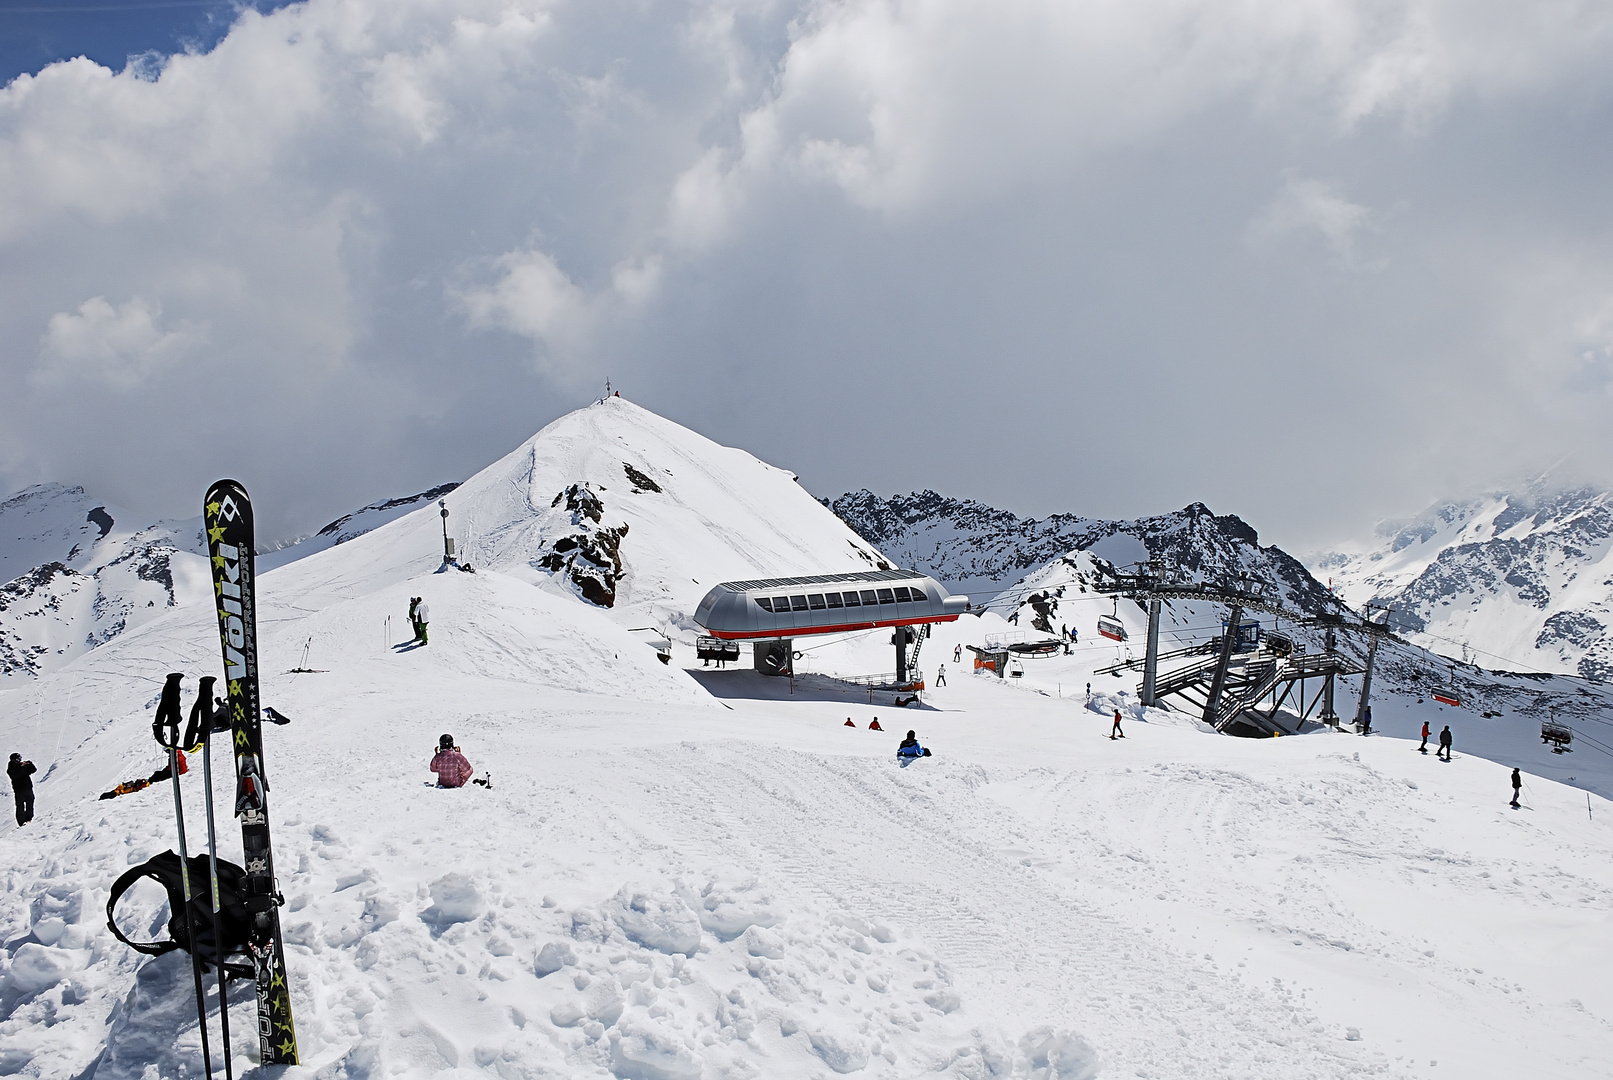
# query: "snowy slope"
x,y
983,550
1526,578
672,890
706,874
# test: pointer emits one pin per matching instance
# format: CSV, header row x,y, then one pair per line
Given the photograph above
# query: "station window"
x,y
869,599
885,597
851,599
764,603
901,594
781,604
815,601
798,603
833,599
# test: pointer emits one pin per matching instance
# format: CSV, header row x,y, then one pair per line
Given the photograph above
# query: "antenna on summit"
x,y
607,388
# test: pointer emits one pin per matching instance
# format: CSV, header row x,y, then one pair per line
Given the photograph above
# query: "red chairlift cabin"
x,y
1111,628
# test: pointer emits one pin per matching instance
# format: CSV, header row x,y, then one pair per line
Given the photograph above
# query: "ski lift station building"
x,y
776,610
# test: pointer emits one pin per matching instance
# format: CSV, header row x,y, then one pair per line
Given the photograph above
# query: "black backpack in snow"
x,y
164,869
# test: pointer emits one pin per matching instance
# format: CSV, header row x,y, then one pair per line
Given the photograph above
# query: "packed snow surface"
x,y
705,873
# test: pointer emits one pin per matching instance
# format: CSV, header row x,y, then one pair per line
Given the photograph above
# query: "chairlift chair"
x,y
1559,735
1110,625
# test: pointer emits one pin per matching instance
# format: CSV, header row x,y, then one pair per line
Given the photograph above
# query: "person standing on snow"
x,y
414,617
1445,743
1517,785
1115,732
450,765
1424,746
957,654
22,787
941,675
422,615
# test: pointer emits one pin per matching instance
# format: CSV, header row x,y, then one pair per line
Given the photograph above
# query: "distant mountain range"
x,y
78,572
1524,579
983,551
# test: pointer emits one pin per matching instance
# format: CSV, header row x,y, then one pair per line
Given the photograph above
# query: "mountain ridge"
x,y
977,547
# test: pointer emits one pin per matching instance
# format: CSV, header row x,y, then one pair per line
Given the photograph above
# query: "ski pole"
x,y
201,726
166,729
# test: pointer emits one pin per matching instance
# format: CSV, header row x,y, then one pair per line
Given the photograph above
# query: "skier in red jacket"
x,y
450,765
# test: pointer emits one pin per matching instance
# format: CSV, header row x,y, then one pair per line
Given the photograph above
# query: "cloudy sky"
x,y
1311,261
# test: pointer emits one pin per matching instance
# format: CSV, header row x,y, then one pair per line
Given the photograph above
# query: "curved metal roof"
x,y
825,604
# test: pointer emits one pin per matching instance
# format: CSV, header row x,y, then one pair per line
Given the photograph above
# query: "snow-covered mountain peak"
x,y
1523,577
684,513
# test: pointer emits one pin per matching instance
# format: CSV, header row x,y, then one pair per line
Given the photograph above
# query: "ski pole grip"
x,y
168,715
201,714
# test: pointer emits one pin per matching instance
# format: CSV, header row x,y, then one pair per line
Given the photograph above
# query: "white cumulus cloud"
x,y
116,347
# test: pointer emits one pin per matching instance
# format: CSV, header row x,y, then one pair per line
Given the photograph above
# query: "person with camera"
x,y
451,766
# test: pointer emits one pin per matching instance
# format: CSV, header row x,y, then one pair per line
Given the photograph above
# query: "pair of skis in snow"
x,y
227,519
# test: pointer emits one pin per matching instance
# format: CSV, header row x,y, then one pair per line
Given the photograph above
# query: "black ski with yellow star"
x,y
227,516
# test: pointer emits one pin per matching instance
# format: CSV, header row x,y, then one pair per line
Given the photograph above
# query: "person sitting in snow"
x,y
910,747
450,765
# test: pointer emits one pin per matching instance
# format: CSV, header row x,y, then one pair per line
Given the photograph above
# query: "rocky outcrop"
x,y
584,550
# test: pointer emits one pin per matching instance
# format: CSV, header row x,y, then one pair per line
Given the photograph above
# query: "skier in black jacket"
x,y
22,787
1445,743
1517,785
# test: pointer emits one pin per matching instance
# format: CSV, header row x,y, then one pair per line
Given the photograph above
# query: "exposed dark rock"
x,y
590,555
640,481
582,501
101,519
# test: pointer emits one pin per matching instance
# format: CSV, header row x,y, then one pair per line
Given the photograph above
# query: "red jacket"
x,y
452,768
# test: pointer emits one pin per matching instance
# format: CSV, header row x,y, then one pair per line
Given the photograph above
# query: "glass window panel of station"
x,y
851,599
781,604
798,603
832,599
764,603
869,599
815,601
901,594
886,596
